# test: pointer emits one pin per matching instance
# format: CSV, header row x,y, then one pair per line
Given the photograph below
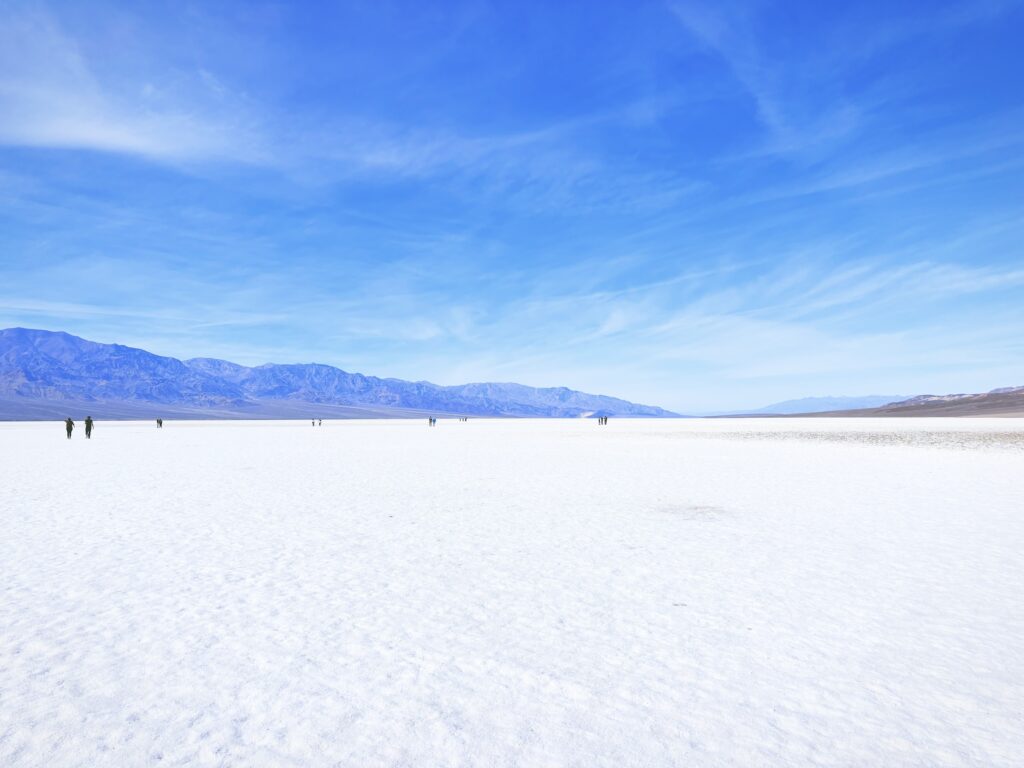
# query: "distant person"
x,y
312,422
88,427
69,425
319,422
159,423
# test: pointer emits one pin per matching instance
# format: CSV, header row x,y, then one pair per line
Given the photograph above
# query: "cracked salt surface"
x,y
513,593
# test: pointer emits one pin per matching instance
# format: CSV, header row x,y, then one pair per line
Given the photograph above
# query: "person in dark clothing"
x,y
69,425
88,427
159,423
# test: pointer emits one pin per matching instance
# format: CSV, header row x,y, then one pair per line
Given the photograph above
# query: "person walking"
x,y
69,425
88,427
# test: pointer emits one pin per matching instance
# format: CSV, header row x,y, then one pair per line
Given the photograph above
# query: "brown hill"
x,y
1000,402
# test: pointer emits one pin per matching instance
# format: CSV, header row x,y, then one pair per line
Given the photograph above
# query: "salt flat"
x,y
513,593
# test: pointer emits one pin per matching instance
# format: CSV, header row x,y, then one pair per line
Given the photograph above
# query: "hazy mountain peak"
x,y
828,403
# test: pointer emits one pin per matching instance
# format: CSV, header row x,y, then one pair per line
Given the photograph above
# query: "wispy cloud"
x,y
806,99
54,95
50,96
729,32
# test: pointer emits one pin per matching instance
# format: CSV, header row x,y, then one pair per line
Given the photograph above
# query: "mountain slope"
x,y
45,365
44,371
1005,401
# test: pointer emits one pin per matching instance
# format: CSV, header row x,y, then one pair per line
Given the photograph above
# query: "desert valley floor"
x,y
513,593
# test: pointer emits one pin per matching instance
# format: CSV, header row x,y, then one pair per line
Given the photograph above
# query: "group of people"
x,y
69,426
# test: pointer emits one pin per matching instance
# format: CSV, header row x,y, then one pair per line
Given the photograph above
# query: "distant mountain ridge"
x,y
42,372
823,404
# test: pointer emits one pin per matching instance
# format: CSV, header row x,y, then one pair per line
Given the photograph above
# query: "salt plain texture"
x,y
513,593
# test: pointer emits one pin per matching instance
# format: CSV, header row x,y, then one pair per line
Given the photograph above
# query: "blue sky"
x,y
699,205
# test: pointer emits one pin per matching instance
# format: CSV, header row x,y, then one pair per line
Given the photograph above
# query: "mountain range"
x,y
51,374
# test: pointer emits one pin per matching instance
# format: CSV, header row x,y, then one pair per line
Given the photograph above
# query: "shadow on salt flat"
x,y
693,512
